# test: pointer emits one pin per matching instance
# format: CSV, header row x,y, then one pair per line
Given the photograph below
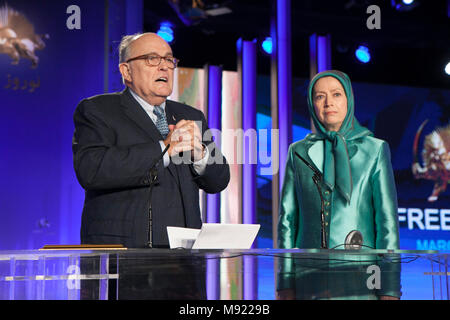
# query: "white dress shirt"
x,y
200,165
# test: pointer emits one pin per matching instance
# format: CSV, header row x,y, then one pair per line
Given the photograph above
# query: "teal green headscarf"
x,y
337,172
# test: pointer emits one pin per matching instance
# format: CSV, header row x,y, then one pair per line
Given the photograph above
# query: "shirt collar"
x,y
145,104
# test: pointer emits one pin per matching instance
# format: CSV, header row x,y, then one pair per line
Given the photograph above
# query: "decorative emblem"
x,y
18,38
436,158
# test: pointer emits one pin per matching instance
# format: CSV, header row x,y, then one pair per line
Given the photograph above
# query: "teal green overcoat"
x,y
372,209
358,191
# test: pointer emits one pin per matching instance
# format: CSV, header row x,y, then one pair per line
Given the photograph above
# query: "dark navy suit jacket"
x,y
114,145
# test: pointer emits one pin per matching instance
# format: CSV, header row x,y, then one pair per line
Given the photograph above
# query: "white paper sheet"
x,y
214,236
182,237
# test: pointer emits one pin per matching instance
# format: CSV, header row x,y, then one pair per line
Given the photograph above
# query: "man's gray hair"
x,y
124,46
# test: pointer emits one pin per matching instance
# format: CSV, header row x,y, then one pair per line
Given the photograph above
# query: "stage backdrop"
x,y
63,60
67,51
395,114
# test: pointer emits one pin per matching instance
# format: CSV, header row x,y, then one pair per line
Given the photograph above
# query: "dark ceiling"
x,y
411,48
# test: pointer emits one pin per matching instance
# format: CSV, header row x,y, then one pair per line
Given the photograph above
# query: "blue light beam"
x,y
363,54
166,32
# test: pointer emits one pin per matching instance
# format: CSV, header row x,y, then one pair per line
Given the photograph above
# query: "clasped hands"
x,y
183,137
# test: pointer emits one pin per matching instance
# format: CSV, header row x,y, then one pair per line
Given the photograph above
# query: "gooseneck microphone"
x,y
317,178
153,177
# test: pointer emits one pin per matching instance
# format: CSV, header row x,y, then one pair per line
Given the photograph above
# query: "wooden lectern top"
x,y
83,247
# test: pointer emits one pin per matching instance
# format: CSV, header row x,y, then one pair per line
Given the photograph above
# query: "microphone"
x,y
153,177
316,172
317,177
157,160
353,240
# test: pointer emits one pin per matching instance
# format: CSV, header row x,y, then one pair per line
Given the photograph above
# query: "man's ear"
x,y
125,71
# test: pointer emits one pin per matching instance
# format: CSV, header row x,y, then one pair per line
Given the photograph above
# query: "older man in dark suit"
x,y
120,136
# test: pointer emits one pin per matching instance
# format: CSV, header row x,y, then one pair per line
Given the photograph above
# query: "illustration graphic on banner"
x,y
18,38
436,159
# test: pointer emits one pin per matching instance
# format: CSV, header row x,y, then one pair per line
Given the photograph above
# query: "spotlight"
x,y
165,31
404,5
362,54
447,69
267,45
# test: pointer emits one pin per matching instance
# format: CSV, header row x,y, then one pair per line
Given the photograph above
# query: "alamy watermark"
x,y
374,20
73,277
74,20
374,280
238,146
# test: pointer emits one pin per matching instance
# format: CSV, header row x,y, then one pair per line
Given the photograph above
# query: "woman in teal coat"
x,y
357,185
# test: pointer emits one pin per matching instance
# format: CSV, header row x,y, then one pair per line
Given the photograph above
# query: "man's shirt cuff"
x,y
200,165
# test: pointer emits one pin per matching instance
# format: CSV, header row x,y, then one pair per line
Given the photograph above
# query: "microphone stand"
x,y
153,177
317,177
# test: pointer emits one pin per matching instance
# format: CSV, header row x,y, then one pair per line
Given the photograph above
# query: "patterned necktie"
x,y
161,122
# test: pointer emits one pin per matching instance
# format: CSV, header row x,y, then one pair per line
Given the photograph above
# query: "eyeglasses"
x,y
155,60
